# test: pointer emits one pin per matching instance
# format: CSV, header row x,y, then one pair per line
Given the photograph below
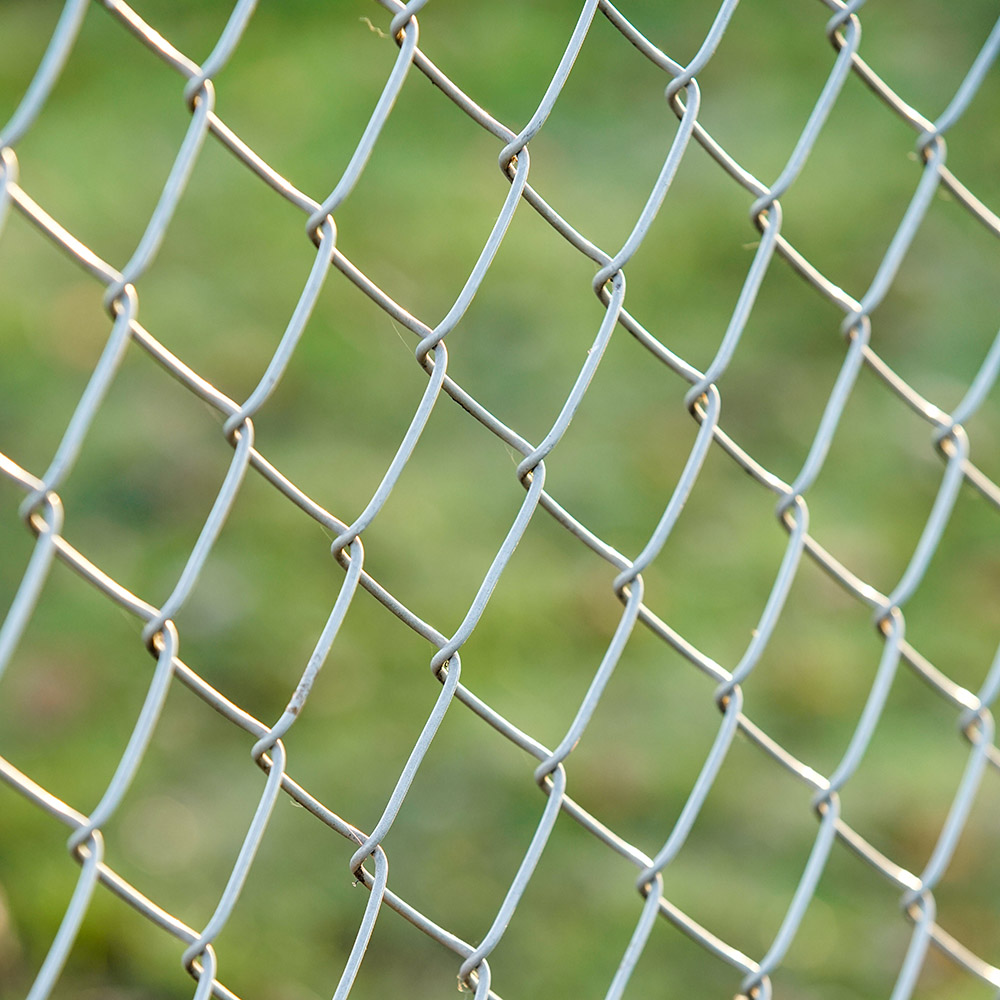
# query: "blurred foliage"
x,y
299,90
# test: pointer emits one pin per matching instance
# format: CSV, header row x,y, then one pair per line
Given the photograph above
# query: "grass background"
x,y
299,90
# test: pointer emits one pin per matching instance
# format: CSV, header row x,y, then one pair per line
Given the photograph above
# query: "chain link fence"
x,y
717,306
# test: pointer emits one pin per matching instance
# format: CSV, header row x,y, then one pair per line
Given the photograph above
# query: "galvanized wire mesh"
x,y
657,915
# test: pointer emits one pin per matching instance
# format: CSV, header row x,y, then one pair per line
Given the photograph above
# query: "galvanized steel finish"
x,y
43,513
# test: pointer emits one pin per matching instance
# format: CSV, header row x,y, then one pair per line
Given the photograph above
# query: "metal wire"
x,y
42,508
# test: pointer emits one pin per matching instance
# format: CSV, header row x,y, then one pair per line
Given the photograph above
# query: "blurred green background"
x,y
299,90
